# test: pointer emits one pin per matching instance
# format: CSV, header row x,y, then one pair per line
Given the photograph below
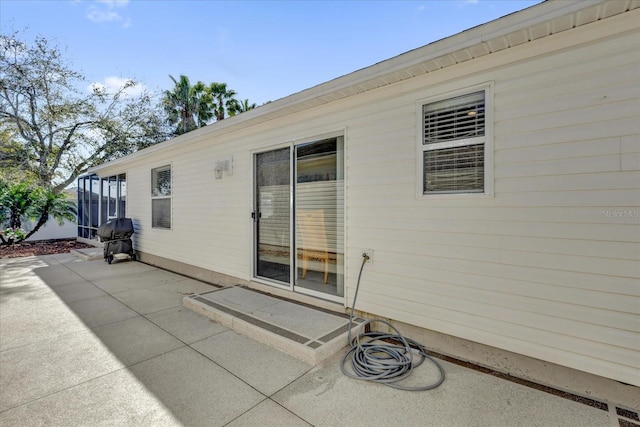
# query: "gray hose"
x,y
382,357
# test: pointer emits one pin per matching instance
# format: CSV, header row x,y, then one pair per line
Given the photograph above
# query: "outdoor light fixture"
x,y
224,166
217,171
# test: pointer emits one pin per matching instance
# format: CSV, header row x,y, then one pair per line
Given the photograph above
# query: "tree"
x,y
237,107
55,128
188,107
50,204
25,200
223,99
17,201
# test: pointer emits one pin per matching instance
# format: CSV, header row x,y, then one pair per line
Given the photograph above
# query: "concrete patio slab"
x,y
72,292
48,366
97,361
24,281
268,414
117,399
186,325
92,270
135,340
36,325
197,391
101,310
137,280
186,287
18,299
150,298
465,398
257,360
57,275
146,301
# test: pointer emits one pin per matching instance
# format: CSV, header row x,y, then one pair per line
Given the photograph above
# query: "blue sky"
x,y
264,50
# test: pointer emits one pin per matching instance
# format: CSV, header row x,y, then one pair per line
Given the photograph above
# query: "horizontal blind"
x,y
453,144
161,181
454,169
320,216
161,213
457,118
274,226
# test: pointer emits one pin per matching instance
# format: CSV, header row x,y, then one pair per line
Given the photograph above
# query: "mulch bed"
x,y
41,247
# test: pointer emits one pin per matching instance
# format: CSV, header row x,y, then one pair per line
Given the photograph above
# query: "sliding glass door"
x,y
308,202
319,217
272,215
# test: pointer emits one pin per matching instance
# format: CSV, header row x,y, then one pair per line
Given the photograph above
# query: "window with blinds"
x,y
161,197
453,144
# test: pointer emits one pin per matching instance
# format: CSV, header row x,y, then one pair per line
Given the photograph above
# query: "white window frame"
x,y
488,143
156,196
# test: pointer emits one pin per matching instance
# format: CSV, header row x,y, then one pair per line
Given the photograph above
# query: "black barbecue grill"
x,y
116,235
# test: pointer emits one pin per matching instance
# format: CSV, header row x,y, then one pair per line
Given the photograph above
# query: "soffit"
x,y
440,54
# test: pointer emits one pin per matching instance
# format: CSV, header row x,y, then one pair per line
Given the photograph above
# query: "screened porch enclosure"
x,y
100,200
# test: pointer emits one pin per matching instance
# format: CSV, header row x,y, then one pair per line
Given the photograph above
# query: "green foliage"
x,y
189,107
24,200
236,107
54,129
223,98
17,202
12,235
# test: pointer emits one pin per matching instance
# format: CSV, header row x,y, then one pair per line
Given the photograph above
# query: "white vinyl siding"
x,y
548,267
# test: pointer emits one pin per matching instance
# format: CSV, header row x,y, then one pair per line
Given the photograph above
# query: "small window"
x,y
453,145
161,197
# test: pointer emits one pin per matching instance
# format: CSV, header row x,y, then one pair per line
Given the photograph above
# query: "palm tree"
x,y
55,205
24,200
187,106
223,99
238,107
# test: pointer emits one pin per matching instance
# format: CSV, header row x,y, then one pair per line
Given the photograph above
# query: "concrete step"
x,y
88,254
307,333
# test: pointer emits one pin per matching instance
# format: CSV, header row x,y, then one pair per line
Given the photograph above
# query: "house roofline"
x,y
530,24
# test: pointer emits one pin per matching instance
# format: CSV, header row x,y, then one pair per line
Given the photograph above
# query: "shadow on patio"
x,y
87,343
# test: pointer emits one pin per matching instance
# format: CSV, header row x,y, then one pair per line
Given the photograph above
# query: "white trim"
x,y
292,144
170,196
317,294
488,88
253,205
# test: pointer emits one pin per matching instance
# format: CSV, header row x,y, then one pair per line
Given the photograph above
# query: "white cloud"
x,y
105,11
113,84
114,3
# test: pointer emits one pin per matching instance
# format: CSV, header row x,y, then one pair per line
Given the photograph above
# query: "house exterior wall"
x,y
548,266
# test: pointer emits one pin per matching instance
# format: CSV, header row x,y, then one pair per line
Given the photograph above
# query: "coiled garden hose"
x,y
383,357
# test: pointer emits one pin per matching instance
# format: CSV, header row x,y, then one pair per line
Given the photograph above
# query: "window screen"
x,y
453,144
161,197
161,213
161,181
